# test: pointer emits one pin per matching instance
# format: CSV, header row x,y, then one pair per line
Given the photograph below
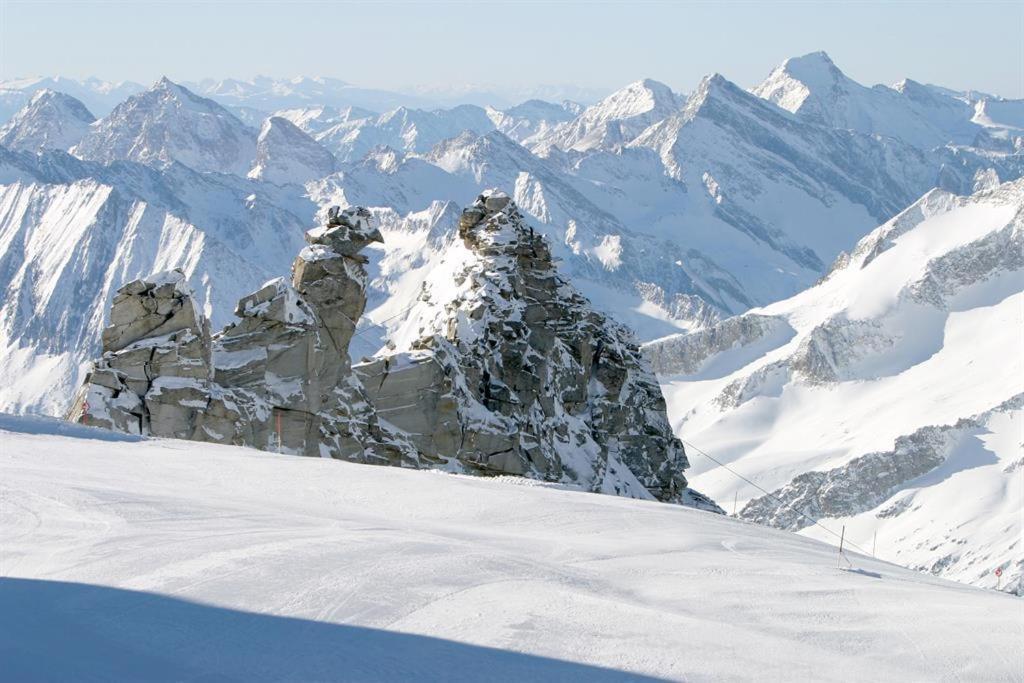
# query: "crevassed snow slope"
x,y
176,560
888,398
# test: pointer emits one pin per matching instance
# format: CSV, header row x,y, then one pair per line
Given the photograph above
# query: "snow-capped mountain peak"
x,y
618,118
50,120
169,123
799,84
813,88
285,154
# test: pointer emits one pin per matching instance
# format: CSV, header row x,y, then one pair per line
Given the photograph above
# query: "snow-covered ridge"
x,y
890,387
813,88
285,154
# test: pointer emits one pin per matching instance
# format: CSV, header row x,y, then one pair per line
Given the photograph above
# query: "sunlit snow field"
x,y
158,559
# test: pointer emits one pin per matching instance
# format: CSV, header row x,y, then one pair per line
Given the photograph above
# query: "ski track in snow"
x,y
193,561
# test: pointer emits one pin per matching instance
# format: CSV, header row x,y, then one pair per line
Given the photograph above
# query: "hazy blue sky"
x,y
392,44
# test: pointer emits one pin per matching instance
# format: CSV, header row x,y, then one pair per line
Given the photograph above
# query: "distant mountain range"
x,y
671,212
723,214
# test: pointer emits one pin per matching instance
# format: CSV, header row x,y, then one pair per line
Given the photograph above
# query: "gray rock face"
x,y
518,375
154,376
865,482
278,379
687,353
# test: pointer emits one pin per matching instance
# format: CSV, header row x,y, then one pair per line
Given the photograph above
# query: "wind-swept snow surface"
x,y
178,560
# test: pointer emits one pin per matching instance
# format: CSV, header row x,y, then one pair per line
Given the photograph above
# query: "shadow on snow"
x,y
69,631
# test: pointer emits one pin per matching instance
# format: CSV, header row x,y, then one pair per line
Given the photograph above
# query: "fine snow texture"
x,y
889,398
176,560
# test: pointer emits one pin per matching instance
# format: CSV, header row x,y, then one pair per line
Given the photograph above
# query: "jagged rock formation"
x,y
522,377
278,379
154,374
513,372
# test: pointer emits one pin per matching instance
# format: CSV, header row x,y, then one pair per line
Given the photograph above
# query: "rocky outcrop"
x,y
687,354
866,482
278,379
154,375
513,372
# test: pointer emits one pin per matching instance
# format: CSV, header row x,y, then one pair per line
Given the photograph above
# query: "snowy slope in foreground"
x,y
889,398
169,559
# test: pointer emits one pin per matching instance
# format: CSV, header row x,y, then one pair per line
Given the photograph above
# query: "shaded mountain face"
x,y
50,120
169,123
877,398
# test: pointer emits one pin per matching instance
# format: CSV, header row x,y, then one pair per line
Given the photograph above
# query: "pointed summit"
x,y
815,68
285,154
618,118
50,120
813,88
170,123
799,83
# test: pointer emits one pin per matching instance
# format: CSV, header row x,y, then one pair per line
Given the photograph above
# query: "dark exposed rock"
x,y
519,375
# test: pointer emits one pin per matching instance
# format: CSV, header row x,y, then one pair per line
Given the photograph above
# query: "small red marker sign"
x,y
999,571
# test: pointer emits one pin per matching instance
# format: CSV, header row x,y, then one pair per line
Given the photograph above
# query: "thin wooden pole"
x,y
874,543
735,497
842,537
278,431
